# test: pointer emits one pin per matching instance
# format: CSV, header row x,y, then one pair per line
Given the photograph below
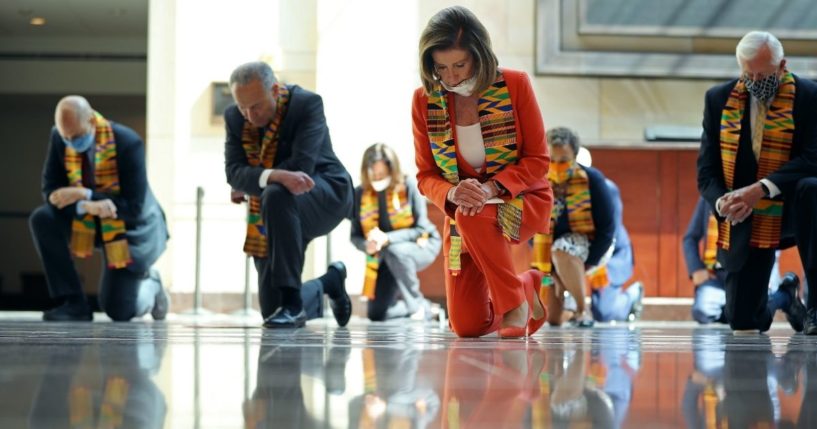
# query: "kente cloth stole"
x,y
400,216
711,244
261,154
501,149
778,131
579,216
106,181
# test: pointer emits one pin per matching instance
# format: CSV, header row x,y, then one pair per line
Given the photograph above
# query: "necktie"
x,y
757,130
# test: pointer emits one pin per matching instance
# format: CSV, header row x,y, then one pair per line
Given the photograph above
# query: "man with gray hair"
x,y
97,196
757,170
278,152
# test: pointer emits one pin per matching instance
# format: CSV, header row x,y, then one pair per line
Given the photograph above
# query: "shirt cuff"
x,y
773,189
81,203
262,180
718,206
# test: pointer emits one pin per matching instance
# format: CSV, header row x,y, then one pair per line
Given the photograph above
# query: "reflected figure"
x,y
592,389
278,400
491,387
702,403
737,381
398,388
103,384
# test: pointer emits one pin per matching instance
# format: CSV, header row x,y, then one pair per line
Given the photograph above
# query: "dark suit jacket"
x,y
696,232
802,163
144,219
604,220
303,145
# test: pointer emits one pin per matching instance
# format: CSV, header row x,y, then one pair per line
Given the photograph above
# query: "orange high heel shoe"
x,y
515,331
532,289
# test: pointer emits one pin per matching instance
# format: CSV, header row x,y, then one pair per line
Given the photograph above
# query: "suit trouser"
x,y
613,302
487,286
292,222
747,292
805,231
397,289
747,289
124,293
78,383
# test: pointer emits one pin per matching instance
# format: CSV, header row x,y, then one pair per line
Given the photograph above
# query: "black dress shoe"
x,y
811,322
284,318
342,305
796,311
69,313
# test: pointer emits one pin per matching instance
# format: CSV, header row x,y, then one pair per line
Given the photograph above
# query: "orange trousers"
x,y
487,286
485,388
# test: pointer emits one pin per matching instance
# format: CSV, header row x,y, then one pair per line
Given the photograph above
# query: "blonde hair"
x,y
380,152
457,28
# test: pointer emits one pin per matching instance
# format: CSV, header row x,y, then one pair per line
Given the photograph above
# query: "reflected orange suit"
x,y
483,388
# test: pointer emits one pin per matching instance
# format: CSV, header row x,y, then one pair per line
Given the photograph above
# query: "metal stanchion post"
x,y
198,308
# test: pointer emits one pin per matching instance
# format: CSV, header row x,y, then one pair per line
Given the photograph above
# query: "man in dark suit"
x,y
278,152
97,196
756,169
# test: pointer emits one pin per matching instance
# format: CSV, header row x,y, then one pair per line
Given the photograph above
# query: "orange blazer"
x,y
528,175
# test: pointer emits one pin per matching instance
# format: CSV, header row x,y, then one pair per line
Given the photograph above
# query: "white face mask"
x,y
381,185
465,88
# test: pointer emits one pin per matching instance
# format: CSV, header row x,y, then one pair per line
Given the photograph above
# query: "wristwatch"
x,y
499,188
766,191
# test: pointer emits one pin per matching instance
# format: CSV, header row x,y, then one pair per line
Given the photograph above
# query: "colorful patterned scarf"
x,y
778,130
400,216
106,179
711,244
499,136
574,188
261,154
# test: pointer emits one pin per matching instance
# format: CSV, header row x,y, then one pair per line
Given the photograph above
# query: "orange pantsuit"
x,y
487,286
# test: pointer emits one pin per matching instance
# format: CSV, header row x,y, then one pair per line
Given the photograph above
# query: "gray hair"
x,y
560,136
252,71
76,104
752,42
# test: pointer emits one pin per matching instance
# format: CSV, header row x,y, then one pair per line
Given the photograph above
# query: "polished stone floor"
x,y
228,373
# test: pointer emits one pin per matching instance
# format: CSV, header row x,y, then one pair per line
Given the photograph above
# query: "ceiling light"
x,y
37,20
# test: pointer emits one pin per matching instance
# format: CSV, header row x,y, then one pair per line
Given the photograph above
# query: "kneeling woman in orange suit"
x,y
482,158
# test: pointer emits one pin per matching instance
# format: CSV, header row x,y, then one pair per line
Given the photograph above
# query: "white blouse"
x,y
471,146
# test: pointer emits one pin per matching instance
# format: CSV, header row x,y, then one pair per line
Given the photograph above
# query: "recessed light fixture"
x,y
37,21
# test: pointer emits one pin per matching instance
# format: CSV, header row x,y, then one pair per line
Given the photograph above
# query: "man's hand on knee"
x,y
296,182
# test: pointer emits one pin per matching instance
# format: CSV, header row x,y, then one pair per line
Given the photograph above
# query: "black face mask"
x,y
763,89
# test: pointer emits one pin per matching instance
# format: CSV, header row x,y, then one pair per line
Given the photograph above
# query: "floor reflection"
x,y
194,374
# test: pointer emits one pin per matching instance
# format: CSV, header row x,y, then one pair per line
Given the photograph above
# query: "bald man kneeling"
x,y
97,197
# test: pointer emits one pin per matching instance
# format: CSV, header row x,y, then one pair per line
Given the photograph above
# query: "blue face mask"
x,y
81,143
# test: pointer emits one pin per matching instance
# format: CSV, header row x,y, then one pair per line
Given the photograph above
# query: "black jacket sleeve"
x,y
54,174
696,231
803,162
603,217
356,234
240,174
711,184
